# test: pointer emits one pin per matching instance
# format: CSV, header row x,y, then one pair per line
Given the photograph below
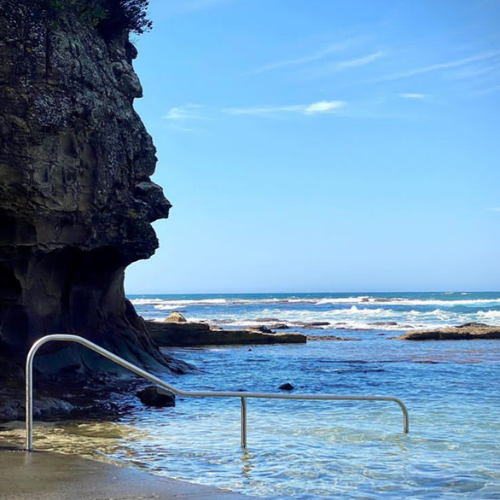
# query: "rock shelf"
x,y
468,331
176,331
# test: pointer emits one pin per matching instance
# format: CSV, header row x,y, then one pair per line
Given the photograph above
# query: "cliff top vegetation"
x,y
109,16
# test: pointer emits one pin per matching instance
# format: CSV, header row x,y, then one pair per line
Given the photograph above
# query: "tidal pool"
x,y
312,450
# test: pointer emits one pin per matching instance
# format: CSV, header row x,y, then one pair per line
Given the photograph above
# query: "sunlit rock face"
x,y
76,200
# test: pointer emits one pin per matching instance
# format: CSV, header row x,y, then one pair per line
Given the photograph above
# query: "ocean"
x,y
345,311
311,449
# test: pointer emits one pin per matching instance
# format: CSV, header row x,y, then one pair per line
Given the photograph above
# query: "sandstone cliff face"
x,y
76,200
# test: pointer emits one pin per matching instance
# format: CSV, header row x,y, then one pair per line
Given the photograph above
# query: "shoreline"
x,y
58,476
355,371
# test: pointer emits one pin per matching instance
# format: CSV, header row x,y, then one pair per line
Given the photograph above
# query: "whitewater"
x,y
379,311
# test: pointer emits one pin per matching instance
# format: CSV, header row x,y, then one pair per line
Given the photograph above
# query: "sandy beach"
x,y
53,476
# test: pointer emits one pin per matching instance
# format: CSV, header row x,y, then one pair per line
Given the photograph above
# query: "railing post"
x,y
244,423
29,399
406,418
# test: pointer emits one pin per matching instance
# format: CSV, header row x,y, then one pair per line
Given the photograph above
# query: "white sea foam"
x,y
166,304
408,302
352,318
355,312
173,303
489,315
147,302
168,307
342,300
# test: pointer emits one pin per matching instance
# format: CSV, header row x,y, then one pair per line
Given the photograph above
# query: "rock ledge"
x,y
176,331
468,331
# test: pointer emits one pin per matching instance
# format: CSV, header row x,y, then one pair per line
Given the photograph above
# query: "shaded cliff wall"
x,y
76,200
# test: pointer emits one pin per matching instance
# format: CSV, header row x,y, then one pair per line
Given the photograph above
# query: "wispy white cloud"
x,y
494,209
299,61
412,96
315,108
487,68
180,115
186,112
441,66
360,61
332,67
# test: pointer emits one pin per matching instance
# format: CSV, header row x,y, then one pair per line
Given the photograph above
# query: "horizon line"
x,y
315,293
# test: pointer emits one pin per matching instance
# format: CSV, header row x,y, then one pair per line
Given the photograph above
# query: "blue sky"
x,y
323,145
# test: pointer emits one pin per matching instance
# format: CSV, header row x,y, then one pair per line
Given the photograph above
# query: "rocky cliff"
x,y
76,199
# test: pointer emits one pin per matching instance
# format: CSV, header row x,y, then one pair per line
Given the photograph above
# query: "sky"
x,y
323,145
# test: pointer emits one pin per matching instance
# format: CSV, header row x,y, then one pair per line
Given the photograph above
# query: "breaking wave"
x,y
356,312
395,301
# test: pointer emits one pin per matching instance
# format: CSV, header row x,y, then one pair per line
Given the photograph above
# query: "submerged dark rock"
x,y
312,324
261,328
287,387
279,326
76,199
156,396
320,338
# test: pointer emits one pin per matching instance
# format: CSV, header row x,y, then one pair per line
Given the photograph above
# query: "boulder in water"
x,y
279,326
175,317
156,396
260,328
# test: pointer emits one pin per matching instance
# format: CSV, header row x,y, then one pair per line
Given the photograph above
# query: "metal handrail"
x,y
197,394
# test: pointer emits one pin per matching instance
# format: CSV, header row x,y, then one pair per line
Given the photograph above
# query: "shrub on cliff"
x,y
130,15
109,16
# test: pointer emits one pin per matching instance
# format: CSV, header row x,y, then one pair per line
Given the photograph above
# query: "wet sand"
x,y
52,476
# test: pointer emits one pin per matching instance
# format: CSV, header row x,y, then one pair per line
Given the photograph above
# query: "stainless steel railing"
x,y
243,396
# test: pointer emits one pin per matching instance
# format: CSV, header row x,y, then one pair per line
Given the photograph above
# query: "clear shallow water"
x,y
322,449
